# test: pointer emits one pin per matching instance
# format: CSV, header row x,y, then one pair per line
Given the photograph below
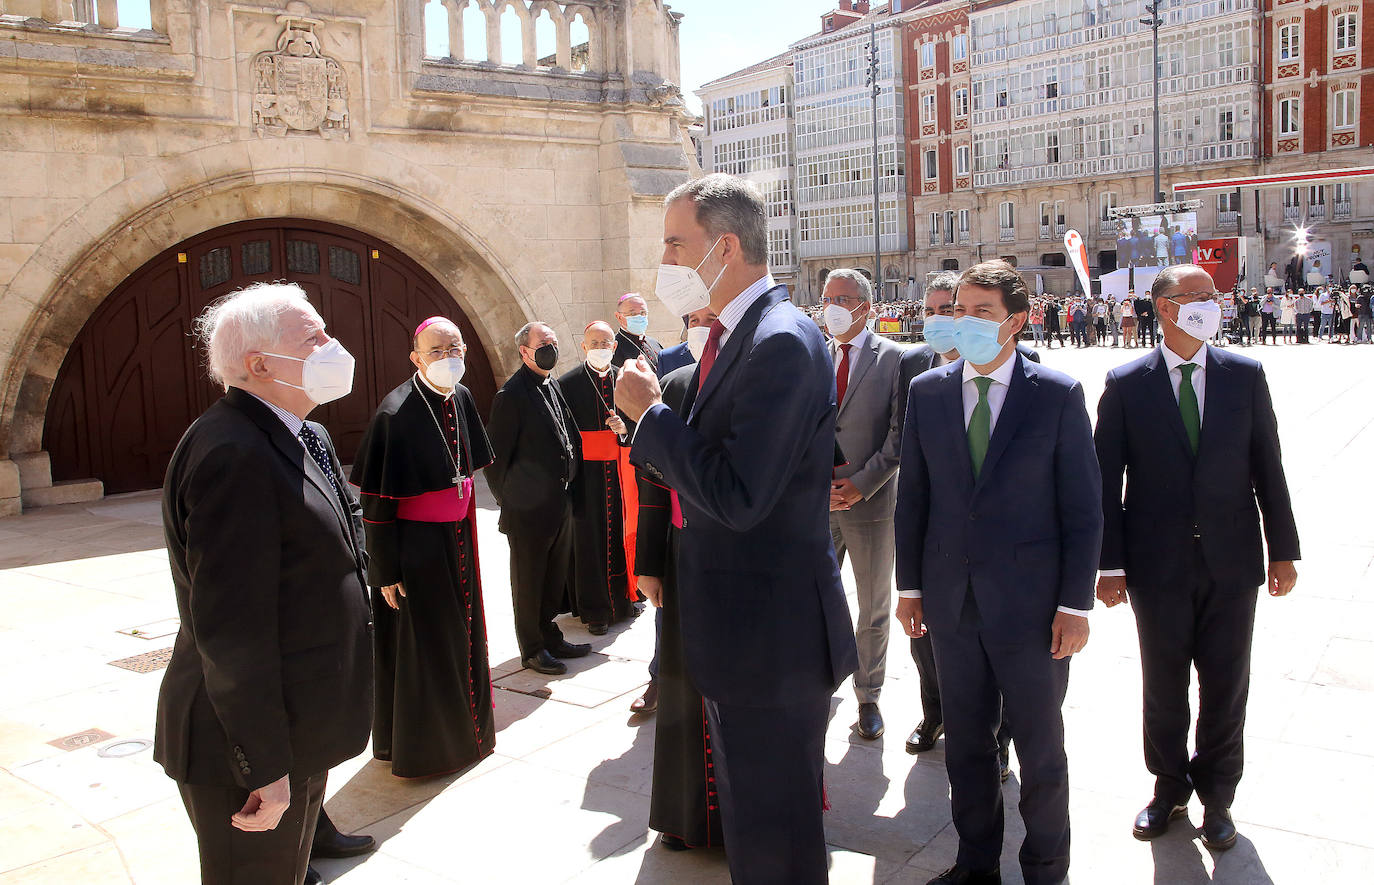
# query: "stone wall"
x,y
527,192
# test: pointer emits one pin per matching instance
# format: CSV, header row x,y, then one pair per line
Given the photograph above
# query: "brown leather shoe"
x,y
647,702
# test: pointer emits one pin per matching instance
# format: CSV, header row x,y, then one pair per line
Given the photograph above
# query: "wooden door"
x,y
135,379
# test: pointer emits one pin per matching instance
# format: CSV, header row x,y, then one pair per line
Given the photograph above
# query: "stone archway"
x,y
468,251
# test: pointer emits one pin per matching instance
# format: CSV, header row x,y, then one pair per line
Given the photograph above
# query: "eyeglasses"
x,y
850,301
1195,297
457,352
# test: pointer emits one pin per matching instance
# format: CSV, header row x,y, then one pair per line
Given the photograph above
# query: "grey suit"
x,y
868,428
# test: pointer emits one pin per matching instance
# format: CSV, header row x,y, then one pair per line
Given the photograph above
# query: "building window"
x,y
927,55
949,227
1006,216
1288,116
1052,148
1226,125
963,224
1316,195
1106,203
1345,32
1290,44
958,47
1292,197
931,166
1343,110
928,108
935,228
961,160
1228,202
961,102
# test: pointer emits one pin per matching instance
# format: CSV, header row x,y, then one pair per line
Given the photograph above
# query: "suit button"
x,y
965,560
684,522
839,430
972,516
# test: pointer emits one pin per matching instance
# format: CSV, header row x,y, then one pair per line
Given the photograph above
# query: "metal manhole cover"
x,y
81,739
146,662
120,749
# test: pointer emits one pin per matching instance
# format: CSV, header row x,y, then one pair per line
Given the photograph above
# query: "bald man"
x,y
632,341
604,494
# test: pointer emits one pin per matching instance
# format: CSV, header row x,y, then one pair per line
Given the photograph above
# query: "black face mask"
x,y
546,356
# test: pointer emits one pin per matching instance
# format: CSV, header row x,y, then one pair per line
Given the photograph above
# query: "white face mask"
x,y
837,319
326,375
446,372
1200,320
599,358
682,290
696,340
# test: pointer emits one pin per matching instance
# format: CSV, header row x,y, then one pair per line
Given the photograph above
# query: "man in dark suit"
x,y
698,324
939,350
538,450
1145,321
1194,428
632,340
765,627
998,532
872,374
269,683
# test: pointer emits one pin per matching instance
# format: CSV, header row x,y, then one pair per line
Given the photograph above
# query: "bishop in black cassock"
x,y
604,493
632,341
414,469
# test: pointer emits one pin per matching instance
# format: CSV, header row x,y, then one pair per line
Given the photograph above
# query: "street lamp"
x,y
1154,22
872,82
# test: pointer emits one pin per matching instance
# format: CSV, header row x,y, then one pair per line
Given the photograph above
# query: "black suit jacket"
x,y
1170,495
629,348
764,619
272,669
532,470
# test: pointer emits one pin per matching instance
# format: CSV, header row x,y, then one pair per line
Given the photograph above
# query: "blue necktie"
x,y
315,447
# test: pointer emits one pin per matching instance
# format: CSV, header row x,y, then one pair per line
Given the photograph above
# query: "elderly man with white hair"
x,y
269,684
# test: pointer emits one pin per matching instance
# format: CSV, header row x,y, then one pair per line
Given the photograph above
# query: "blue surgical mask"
x,y
976,339
637,324
939,332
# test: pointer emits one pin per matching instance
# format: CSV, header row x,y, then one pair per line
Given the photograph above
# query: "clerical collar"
x,y
436,391
597,372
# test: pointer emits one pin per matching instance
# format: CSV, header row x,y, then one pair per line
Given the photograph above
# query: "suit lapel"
x,y
863,361
1217,398
952,406
1161,399
1019,395
740,336
541,406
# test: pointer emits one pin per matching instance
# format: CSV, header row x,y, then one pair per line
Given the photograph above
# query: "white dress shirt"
x,y
859,342
293,422
1173,361
739,305
997,396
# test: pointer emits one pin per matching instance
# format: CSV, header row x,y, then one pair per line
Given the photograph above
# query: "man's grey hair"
x,y
861,283
522,338
1169,277
244,322
729,205
944,281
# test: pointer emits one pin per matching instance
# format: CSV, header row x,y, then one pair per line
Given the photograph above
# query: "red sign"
x,y
1221,259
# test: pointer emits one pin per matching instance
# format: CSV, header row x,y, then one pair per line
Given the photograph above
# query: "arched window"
x,y
580,35
135,14
436,30
512,37
545,38
474,33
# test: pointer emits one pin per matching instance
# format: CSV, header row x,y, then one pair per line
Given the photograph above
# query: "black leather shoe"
x,y
598,628
673,843
870,724
924,737
312,876
1004,764
1153,821
545,663
1218,830
329,842
566,649
957,875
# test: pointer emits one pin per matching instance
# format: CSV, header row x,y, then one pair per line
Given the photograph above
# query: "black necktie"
x,y
315,447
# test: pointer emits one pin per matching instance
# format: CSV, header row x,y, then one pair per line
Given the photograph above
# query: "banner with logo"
x,y
1078,256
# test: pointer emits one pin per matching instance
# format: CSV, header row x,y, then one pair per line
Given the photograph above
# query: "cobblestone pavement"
x,y
85,586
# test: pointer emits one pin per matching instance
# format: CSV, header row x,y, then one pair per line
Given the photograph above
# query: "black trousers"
x,y
768,765
1146,328
1304,320
977,675
1208,627
539,563
1269,326
229,856
923,653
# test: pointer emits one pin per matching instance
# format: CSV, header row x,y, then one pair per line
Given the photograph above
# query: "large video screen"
x,y
1157,240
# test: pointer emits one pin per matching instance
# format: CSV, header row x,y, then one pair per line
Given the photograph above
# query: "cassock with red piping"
x,y
604,503
433,681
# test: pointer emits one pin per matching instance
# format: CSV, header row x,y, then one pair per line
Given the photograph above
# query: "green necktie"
x,y
980,426
1187,404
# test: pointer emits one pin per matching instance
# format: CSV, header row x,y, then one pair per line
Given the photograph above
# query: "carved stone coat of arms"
x,y
297,87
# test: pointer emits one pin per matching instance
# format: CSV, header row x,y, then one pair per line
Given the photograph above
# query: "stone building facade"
x,y
152,165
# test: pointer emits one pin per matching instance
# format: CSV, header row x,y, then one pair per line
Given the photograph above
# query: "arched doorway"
x,y
133,379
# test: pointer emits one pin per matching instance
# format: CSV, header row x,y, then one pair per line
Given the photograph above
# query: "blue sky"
x,y
721,36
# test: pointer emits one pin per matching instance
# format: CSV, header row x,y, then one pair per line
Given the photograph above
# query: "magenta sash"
x,y
445,505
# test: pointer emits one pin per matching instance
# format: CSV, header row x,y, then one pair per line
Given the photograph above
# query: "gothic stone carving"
x,y
298,88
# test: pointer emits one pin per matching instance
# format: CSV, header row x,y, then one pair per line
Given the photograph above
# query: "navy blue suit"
x,y
765,626
674,357
994,557
1187,534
